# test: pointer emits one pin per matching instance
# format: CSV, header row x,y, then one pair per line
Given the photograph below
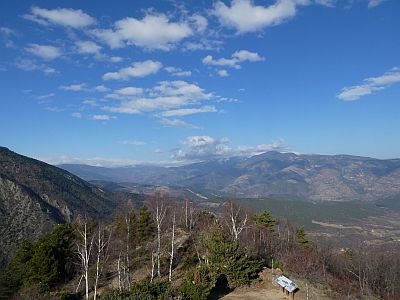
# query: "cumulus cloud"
x,y
222,73
60,16
370,85
74,87
199,148
165,95
45,52
138,69
129,91
109,37
101,88
235,60
200,23
244,16
32,65
88,47
178,72
154,31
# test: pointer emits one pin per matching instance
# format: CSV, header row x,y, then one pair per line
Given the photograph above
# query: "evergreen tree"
x,y
49,263
302,239
265,219
144,226
229,258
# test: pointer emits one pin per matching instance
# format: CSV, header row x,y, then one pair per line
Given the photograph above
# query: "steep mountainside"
x,y
314,177
34,196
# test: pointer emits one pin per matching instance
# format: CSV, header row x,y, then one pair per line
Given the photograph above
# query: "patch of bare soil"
x,y
266,289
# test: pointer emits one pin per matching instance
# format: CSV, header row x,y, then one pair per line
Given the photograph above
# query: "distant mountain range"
x,y
35,196
312,177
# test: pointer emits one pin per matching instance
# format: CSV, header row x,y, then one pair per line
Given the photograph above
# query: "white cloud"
x,y
116,59
138,69
101,88
244,16
133,142
90,102
32,65
223,73
178,72
102,117
77,115
60,16
5,35
235,60
46,52
370,85
177,123
129,91
6,31
206,147
225,62
154,31
374,3
74,87
327,3
88,47
244,55
166,95
200,23
189,111
109,37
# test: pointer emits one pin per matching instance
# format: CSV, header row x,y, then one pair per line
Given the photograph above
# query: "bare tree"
x,y
235,217
172,247
84,251
159,209
102,245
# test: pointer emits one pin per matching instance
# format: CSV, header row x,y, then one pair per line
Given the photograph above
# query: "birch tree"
x,y
159,211
84,252
235,218
102,246
172,247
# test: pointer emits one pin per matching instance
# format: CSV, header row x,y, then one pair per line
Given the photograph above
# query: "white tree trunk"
x,y
172,248
128,273
152,267
102,256
159,218
84,251
119,272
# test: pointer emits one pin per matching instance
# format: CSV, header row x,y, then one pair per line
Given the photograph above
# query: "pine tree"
x,y
265,219
302,239
144,225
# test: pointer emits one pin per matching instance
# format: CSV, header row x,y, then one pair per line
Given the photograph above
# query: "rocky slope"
x,y
314,177
35,196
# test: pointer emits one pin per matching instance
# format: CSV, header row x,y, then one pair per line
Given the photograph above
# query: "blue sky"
x,y
116,83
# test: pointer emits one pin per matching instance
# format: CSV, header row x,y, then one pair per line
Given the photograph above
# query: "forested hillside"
x,y
175,250
35,196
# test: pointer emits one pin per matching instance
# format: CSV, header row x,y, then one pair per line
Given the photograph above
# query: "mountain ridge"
x,y
311,176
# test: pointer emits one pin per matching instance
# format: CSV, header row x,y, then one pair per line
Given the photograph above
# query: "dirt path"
x,y
266,290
